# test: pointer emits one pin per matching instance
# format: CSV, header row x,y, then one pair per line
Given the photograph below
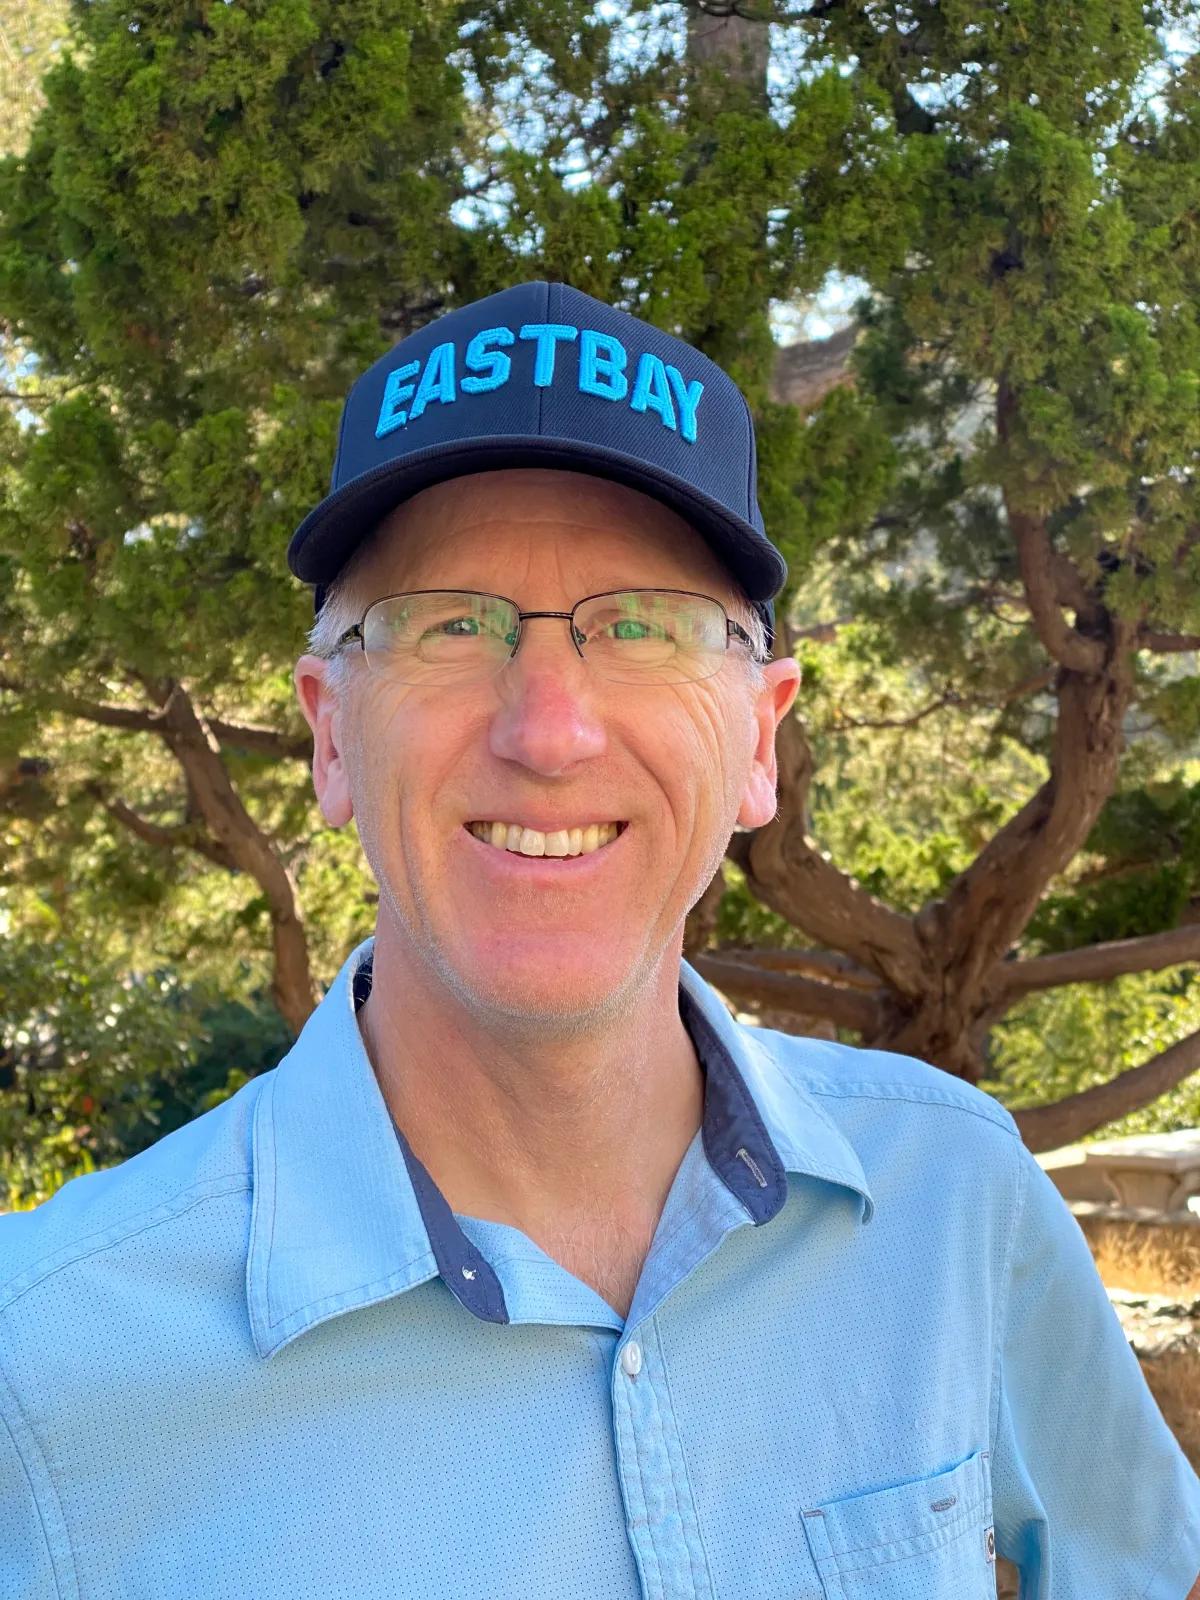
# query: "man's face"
x,y
546,743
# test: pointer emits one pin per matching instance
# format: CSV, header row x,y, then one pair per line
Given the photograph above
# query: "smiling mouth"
x,y
561,843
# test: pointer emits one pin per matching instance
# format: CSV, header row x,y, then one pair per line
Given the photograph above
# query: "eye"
x,y
635,628
468,627
458,627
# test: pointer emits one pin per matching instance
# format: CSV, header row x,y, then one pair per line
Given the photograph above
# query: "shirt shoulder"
x,y
208,1156
849,1072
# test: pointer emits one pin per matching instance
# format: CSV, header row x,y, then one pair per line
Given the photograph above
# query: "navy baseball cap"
x,y
543,375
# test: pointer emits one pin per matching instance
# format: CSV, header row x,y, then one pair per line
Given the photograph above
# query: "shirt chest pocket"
x,y
928,1539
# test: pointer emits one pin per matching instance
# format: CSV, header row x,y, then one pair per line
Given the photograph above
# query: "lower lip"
x,y
543,871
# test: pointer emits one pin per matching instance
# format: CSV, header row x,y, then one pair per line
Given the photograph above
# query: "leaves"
x,y
222,213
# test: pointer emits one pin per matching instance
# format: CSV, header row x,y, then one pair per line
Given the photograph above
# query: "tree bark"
x,y
788,872
755,987
738,47
194,745
807,371
1098,963
966,935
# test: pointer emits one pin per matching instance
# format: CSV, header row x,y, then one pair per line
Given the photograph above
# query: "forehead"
x,y
533,522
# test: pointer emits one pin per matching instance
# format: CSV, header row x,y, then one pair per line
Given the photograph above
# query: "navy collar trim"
x,y
469,1276
736,1142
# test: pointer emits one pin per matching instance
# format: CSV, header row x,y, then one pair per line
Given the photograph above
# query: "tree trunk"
x,y
235,832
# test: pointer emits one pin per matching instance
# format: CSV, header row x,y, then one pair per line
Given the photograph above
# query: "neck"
x,y
541,1134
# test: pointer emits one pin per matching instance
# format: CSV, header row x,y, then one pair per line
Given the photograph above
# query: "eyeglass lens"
x,y
631,636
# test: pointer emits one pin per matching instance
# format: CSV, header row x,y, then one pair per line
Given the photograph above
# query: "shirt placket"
x,y
661,1515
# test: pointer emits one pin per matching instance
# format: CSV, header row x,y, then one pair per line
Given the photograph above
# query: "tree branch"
x,y
988,905
1035,556
951,698
1099,963
107,716
212,795
1167,643
827,965
468,191
804,373
185,836
1069,587
1051,1127
821,632
1044,573
786,871
247,736
264,741
787,991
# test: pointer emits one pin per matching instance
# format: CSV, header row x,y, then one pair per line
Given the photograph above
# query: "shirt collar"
x,y
345,1215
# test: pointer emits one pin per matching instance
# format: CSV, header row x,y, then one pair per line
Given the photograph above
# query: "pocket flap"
x,y
909,1516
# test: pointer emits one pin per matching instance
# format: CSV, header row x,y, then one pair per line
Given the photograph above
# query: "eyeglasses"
x,y
458,636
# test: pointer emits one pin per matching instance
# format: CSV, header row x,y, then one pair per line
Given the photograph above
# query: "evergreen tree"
x,y
224,212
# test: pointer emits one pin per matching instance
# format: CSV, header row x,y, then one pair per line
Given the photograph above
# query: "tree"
x,y
224,213
1030,355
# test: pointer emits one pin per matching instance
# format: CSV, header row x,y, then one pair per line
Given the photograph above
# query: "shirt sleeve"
x,y
1092,1497
26,1565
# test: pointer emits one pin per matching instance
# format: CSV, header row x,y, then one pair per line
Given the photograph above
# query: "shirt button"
x,y
631,1358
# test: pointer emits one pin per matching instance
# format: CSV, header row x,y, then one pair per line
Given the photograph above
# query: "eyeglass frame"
x,y
733,630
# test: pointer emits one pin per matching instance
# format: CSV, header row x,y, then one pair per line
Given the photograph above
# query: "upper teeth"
x,y
529,842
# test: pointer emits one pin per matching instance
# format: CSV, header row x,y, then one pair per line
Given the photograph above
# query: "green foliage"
x,y
1147,846
1066,1040
81,1048
222,213
743,920
96,1064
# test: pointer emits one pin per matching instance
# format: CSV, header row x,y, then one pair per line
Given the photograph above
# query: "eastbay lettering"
x,y
601,368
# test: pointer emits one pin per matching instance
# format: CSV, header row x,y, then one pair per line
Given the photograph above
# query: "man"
x,y
529,1272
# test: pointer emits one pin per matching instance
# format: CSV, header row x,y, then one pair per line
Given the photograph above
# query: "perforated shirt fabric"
x,y
264,1360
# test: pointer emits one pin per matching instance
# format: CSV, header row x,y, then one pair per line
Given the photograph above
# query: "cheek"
x,y
410,761
701,754
382,768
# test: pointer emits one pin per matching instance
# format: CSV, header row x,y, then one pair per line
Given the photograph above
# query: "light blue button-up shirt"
x,y
264,1360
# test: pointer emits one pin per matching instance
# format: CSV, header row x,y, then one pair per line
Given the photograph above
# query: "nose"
x,y
547,717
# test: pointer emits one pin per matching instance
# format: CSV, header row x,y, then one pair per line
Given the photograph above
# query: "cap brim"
x,y
334,529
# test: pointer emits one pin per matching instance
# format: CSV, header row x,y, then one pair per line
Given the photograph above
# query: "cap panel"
x,y
332,532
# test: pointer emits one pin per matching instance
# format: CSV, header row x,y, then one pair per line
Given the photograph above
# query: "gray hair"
x,y
344,606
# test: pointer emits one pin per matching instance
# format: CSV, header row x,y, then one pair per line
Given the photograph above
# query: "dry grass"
x,y
1146,1260
1174,1381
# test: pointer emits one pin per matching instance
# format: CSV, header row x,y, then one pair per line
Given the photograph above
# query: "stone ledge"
x,y
1109,1211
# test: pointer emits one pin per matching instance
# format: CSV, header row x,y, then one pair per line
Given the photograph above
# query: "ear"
x,y
325,714
760,798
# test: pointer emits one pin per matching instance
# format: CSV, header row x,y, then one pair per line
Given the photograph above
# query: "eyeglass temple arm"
x,y
736,630
351,633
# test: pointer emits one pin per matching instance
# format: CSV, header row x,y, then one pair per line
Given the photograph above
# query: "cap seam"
x,y
541,420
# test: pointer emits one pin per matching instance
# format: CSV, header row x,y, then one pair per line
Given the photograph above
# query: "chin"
x,y
551,976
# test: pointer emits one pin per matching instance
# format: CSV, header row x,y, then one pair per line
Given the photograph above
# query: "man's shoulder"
x,y
842,1072
207,1157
